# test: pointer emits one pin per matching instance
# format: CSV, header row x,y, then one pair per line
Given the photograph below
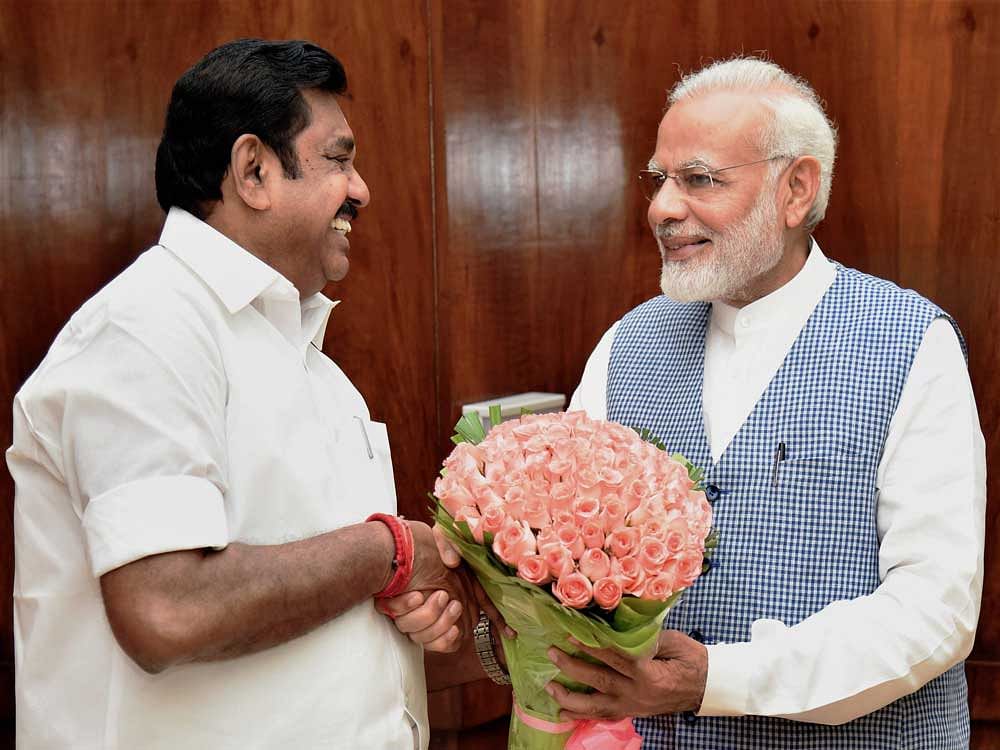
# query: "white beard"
x,y
740,254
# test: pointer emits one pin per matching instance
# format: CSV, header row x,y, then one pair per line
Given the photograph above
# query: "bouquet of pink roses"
x,y
574,527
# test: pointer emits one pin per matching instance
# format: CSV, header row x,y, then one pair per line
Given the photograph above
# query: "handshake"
x,y
438,605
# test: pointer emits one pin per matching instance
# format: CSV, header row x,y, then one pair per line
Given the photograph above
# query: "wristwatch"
x,y
486,651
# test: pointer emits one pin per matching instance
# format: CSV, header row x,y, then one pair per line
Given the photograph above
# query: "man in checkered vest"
x,y
833,415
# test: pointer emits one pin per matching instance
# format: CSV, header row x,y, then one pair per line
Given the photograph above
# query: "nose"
x,y
357,190
670,204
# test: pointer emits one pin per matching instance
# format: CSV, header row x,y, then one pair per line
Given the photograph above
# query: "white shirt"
x,y
188,405
852,657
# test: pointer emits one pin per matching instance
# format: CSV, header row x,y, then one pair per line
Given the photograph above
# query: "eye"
x,y
697,179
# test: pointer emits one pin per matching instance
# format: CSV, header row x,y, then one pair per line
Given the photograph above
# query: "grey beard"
x,y
739,255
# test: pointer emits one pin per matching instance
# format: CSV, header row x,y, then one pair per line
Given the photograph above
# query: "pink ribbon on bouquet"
x,y
589,734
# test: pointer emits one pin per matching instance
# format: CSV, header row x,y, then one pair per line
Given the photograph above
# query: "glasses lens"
x,y
695,180
651,182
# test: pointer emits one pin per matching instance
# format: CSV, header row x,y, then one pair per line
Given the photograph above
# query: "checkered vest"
x,y
789,544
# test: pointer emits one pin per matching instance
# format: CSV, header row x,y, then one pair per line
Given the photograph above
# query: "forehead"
x,y
328,125
719,127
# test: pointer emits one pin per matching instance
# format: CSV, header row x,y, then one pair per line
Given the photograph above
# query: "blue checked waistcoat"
x,y
787,550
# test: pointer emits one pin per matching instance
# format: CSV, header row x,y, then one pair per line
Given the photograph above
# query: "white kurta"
x,y
188,405
930,517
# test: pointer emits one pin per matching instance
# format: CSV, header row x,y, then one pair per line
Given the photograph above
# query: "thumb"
x,y
447,550
673,644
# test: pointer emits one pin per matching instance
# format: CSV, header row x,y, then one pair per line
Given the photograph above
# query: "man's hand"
x,y
433,615
672,681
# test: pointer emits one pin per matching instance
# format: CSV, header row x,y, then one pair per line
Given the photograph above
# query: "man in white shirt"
x,y
833,415
193,564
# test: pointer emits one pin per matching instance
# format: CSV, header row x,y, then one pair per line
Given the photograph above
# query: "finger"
x,y
439,627
447,550
582,705
436,615
446,643
603,679
395,606
610,656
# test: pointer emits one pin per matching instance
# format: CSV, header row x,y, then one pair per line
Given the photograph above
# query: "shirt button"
x,y
712,493
689,717
744,322
697,635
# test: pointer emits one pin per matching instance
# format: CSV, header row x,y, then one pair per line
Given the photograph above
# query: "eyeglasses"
x,y
697,181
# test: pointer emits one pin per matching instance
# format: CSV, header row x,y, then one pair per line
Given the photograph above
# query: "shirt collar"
x,y
802,292
236,276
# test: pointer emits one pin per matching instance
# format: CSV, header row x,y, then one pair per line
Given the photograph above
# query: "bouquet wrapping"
x,y
574,527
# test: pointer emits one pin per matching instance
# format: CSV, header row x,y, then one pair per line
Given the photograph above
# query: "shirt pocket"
x,y
364,464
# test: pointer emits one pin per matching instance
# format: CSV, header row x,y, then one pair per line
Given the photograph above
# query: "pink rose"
x,y
611,477
622,542
588,483
563,518
570,538
514,542
485,497
689,567
592,533
586,509
613,514
558,467
536,514
630,573
561,495
573,590
470,515
452,494
607,593
676,536
514,503
652,554
546,536
658,587
493,518
654,529
534,569
595,564
558,560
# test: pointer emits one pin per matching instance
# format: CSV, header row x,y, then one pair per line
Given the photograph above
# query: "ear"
x,y
802,186
251,168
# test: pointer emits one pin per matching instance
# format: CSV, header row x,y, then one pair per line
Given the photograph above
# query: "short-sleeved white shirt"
x,y
185,406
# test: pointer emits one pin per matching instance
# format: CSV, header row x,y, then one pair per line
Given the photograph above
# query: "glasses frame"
x,y
648,176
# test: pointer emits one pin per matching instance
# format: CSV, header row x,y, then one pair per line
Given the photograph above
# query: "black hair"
x,y
245,86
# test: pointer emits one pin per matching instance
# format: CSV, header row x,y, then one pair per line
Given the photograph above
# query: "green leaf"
x,y
469,429
495,416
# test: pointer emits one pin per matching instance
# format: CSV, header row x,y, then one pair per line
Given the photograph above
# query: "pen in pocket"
x,y
779,456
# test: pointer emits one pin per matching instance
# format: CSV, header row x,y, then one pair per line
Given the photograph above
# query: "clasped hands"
x,y
671,681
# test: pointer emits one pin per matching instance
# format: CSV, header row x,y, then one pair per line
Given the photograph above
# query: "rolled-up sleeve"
x,y
133,419
150,516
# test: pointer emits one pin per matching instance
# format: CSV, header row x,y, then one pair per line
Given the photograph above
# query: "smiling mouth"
x,y
341,225
675,243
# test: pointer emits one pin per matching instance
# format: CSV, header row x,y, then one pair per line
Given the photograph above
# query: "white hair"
x,y
798,125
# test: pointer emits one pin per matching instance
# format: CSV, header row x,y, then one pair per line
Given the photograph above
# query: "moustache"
x,y
666,231
348,210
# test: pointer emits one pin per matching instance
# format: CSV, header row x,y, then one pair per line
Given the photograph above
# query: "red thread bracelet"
x,y
402,563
